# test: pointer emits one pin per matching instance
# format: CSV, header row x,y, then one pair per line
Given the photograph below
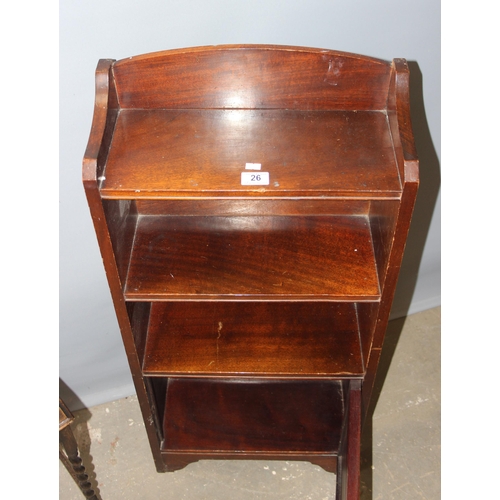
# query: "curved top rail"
x,y
253,77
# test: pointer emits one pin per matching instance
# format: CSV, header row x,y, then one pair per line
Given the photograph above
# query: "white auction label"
x,y
254,179
253,166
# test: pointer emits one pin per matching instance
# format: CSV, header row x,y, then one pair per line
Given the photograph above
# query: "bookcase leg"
x,y
348,465
340,479
354,441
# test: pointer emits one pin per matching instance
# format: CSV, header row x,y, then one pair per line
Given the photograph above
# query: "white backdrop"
x,y
93,366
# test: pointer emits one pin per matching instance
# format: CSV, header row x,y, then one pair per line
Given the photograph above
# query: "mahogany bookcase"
x,y
252,204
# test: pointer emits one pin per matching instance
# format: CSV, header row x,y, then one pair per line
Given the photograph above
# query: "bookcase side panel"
x,y
121,220
105,113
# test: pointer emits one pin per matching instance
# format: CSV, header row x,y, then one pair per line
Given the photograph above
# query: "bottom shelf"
x,y
242,417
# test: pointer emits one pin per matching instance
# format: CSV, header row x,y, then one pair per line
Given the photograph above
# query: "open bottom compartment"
x,y
248,417
319,422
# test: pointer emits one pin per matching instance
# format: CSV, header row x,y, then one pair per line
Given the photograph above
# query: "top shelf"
x,y
183,124
196,153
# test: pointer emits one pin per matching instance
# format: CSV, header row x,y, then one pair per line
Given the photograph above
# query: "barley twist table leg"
x,y
73,461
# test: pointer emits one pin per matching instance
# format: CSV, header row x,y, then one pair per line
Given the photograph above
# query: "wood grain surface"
x,y
202,153
294,340
252,258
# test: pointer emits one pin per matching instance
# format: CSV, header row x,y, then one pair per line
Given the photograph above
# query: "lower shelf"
x,y
241,417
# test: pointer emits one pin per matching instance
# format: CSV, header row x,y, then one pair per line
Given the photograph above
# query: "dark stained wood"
x,y
396,256
367,319
408,165
103,123
65,415
341,471
369,378
383,217
399,104
297,340
241,416
69,453
156,390
348,463
253,317
252,258
354,440
139,314
240,207
202,153
121,219
252,77
94,158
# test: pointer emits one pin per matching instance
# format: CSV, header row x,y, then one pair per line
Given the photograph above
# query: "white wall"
x,y
93,367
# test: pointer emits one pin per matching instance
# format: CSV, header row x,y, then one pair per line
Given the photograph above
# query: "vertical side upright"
x,y
349,458
354,441
398,112
105,114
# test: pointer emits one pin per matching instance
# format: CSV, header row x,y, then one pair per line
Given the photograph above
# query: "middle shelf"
x,y
261,258
241,339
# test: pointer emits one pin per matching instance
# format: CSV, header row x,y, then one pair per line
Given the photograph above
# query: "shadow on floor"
x,y
392,336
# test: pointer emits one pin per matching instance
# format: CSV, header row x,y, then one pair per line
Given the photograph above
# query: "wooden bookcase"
x,y
252,205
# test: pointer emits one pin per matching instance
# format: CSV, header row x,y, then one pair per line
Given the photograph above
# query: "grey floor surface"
x,y
400,450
